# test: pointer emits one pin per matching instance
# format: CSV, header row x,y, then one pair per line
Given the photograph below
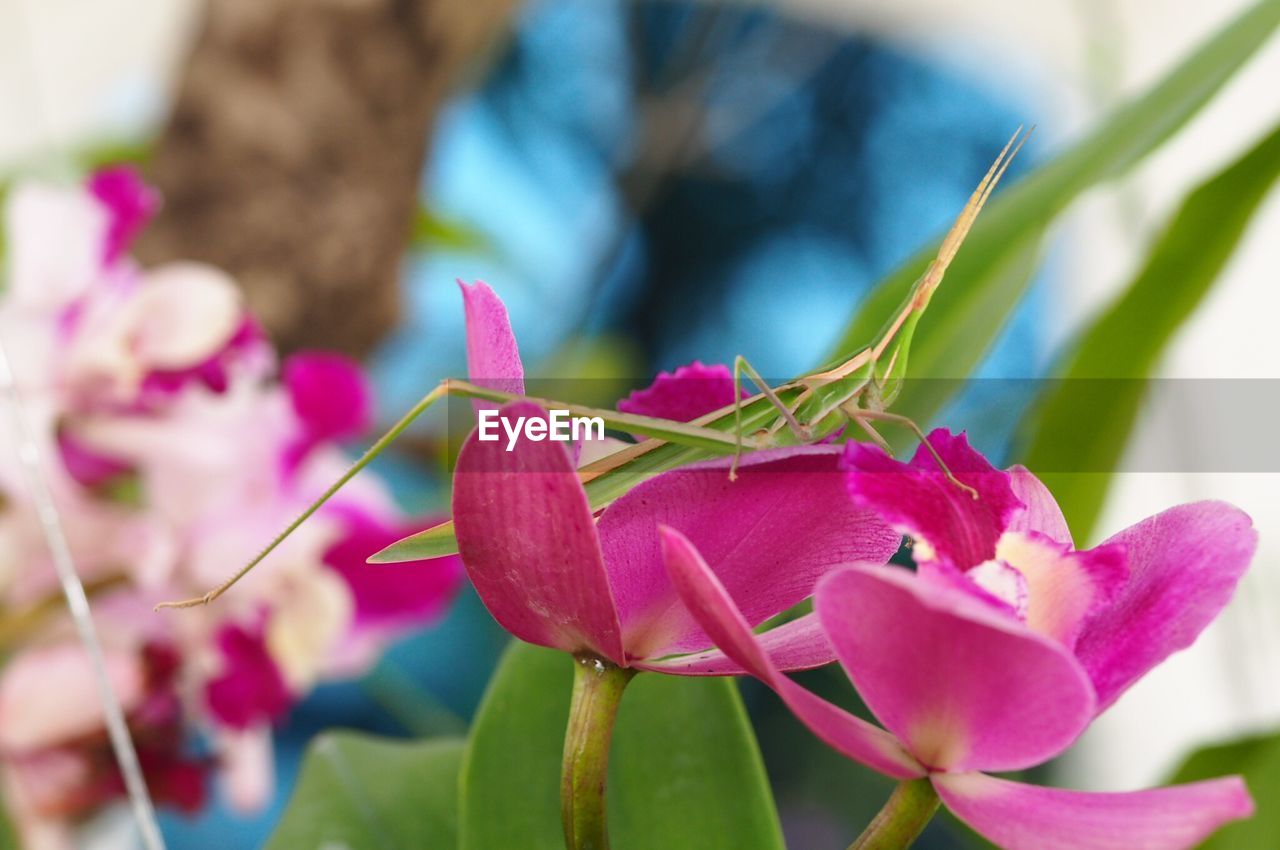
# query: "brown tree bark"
x,y
293,153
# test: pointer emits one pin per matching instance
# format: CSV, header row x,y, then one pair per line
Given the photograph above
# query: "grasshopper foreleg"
x,y
741,367
863,418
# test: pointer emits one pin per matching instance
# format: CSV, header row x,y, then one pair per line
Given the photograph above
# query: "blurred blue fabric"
x,y
824,160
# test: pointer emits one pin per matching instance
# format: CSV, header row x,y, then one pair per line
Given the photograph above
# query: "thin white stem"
x,y
78,604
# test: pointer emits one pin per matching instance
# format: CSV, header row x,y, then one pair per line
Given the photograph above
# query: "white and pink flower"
x,y
177,452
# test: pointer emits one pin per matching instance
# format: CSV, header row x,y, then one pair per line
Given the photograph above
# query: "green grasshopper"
x,y
858,390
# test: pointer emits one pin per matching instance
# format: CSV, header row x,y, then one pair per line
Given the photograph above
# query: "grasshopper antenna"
x,y
956,236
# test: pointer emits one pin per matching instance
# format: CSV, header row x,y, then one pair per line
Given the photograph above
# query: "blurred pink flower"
x,y
176,452
139,343
56,759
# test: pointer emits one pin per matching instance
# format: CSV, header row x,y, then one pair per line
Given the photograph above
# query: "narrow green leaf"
x,y
685,772
361,792
992,271
1258,760
1127,339
434,542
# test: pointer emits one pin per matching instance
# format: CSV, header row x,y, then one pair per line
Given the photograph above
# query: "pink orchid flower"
x,y
553,575
998,652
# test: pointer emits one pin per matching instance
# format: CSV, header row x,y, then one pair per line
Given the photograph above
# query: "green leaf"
x,y
1258,760
1127,339
114,152
366,793
995,266
434,542
432,230
684,774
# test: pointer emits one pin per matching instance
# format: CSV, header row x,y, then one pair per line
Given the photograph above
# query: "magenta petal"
x,y
685,394
965,687
250,689
493,360
90,468
918,500
798,645
329,394
528,541
129,200
1015,816
768,536
1042,514
715,611
1184,564
406,594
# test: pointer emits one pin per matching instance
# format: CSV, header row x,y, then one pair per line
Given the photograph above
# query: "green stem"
x,y
597,691
903,818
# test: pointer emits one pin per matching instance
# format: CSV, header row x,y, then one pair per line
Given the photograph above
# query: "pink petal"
x,y
964,687
247,763
48,695
410,593
183,314
1015,816
768,536
493,360
247,352
88,467
54,239
1184,564
800,644
715,611
130,202
685,394
917,499
250,690
330,395
1042,513
528,540
174,780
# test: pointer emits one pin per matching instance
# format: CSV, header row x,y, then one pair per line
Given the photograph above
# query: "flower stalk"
x,y
597,692
905,815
